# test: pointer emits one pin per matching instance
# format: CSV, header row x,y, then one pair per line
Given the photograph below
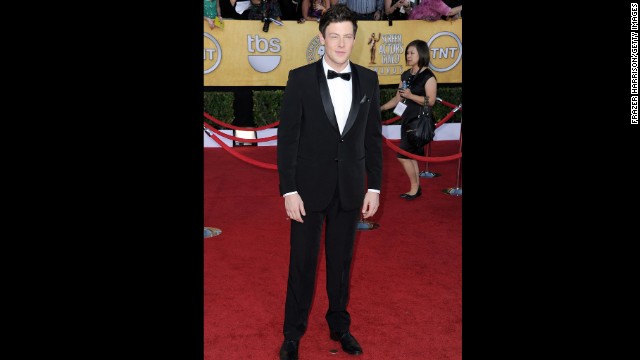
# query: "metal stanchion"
x,y
211,232
456,191
366,225
428,174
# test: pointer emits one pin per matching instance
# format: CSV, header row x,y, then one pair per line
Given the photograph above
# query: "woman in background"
x,y
421,90
432,10
211,12
397,9
313,9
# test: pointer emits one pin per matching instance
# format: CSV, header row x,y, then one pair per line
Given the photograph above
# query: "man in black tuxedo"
x,y
329,138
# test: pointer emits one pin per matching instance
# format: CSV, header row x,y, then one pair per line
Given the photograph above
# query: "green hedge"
x,y
220,106
266,105
452,95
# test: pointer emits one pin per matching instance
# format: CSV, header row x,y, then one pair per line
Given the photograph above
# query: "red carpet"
x,y
406,286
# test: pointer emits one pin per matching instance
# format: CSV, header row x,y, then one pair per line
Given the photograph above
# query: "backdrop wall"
x,y
241,54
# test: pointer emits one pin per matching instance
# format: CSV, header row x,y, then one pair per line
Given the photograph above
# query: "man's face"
x,y
338,44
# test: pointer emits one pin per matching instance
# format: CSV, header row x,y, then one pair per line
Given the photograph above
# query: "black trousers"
x,y
340,235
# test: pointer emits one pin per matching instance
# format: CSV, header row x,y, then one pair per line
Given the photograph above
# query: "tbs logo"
x,y
263,63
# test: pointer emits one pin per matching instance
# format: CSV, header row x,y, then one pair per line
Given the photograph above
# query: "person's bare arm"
x,y
218,9
393,102
210,22
455,11
430,88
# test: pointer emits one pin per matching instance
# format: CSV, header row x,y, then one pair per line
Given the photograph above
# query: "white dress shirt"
x,y
340,91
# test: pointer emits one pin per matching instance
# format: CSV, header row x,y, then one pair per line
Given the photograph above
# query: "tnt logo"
x,y
212,53
446,51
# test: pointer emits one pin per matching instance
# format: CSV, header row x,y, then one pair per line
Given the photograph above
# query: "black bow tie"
x,y
332,74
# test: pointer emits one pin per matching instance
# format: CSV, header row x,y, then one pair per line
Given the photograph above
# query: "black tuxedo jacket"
x,y
313,157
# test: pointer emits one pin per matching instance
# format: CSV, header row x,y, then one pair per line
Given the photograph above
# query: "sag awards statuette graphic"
x,y
372,47
391,51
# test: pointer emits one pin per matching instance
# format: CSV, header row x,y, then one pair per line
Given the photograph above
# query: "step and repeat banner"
x,y
242,54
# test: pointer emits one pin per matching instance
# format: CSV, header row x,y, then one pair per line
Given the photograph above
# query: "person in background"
x,y
228,8
432,10
291,9
330,170
312,10
421,90
259,8
211,11
364,9
452,4
397,9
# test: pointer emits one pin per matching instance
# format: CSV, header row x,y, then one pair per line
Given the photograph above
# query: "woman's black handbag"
x,y
421,129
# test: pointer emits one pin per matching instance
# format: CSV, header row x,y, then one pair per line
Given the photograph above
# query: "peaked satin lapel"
x,y
355,100
325,96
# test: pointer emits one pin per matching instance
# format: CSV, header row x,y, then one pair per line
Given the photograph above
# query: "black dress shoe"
x,y
404,196
289,350
411,197
349,343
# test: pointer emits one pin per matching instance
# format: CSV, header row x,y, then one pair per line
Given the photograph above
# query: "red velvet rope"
x,y
393,119
242,157
388,141
427,158
444,119
446,103
422,158
270,138
229,126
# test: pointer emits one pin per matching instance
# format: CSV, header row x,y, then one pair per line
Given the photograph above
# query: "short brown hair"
x,y
338,13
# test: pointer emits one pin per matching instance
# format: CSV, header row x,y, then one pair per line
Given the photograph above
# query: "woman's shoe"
x,y
411,197
404,196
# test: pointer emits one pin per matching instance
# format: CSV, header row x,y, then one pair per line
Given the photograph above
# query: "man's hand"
x,y
295,207
371,203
